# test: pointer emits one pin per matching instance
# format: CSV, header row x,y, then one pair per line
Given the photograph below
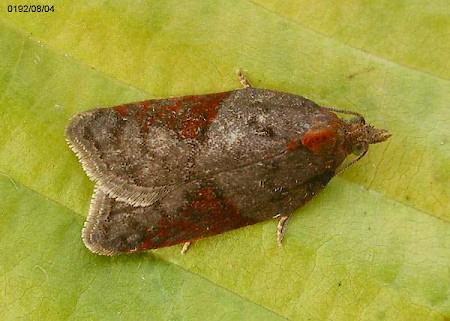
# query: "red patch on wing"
x,y
188,115
205,213
293,144
320,141
142,107
121,109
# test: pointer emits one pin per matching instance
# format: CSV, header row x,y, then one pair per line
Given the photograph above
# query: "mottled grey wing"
x,y
133,164
198,209
112,227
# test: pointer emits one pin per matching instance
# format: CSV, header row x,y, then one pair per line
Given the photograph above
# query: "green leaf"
x,y
375,244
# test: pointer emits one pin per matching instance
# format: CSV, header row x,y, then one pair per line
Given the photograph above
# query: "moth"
x,y
176,170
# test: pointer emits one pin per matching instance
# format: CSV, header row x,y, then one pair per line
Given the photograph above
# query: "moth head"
x,y
359,135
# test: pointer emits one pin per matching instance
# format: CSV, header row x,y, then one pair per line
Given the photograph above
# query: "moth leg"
x,y
242,79
185,247
281,228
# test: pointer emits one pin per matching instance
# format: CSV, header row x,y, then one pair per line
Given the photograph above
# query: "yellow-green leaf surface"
x,y
374,245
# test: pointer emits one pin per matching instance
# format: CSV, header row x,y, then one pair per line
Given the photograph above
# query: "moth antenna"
x,y
348,112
